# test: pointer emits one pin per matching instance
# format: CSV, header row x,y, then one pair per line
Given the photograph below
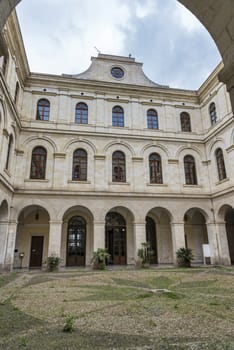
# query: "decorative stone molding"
x,y
60,155
151,104
206,162
5,132
99,157
82,97
19,152
230,149
184,107
44,93
222,181
137,159
173,161
119,100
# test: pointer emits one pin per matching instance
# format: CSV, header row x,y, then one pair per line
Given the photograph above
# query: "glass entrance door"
x,y
76,241
116,238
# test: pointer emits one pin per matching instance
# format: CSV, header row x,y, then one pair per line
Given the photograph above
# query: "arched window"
x,y
118,167
190,170
81,115
10,143
43,109
79,170
117,116
213,116
185,121
155,168
220,164
38,163
16,92
152,119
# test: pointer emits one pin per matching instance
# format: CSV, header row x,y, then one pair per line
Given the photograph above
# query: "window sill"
x,y
7,172
157,184
118,127
36,180
189,186
119,183
152,129
78,182
222,181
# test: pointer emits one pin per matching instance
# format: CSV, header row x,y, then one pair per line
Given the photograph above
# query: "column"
x,y
3,238
59,166
139,174
55,236
100,179
11,237
224,256
98,235
212,238
178,238
139,235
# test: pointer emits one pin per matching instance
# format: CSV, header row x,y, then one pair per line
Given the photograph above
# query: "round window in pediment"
x,y
117,72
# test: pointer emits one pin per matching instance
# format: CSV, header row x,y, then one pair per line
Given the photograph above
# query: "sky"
x,y
174,47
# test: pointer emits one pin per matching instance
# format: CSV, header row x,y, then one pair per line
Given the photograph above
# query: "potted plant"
x,y
100,258
184,257
52,262
145,253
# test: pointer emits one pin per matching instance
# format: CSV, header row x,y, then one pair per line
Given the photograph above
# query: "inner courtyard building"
x,y
109,159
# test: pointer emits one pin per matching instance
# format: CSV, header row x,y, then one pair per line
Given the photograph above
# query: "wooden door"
x,y
36,252
116,245
119,246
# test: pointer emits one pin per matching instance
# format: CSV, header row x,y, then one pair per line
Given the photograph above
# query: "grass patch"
x,y
7,278
197,284
13,321
161,282
130,283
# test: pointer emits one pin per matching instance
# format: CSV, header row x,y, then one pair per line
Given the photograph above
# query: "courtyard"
x,y
155,308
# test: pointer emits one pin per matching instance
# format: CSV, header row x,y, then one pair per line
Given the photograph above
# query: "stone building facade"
x,y
108,158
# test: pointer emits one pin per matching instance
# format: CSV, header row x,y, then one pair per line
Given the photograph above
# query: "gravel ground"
x,y
153,308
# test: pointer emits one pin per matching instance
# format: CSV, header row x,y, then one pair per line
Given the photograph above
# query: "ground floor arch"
x,y
195,231
77,237
151,238
76,241
116,238
119,235
32,237
229,223
74,232
159,235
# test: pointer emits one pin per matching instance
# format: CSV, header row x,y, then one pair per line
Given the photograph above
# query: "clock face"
x,y
117,72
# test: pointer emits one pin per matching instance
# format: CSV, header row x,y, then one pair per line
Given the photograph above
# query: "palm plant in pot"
x,y
184,257
99,259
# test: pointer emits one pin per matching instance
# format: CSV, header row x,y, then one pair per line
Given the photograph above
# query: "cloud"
x,y
186,19
146,8
174,47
